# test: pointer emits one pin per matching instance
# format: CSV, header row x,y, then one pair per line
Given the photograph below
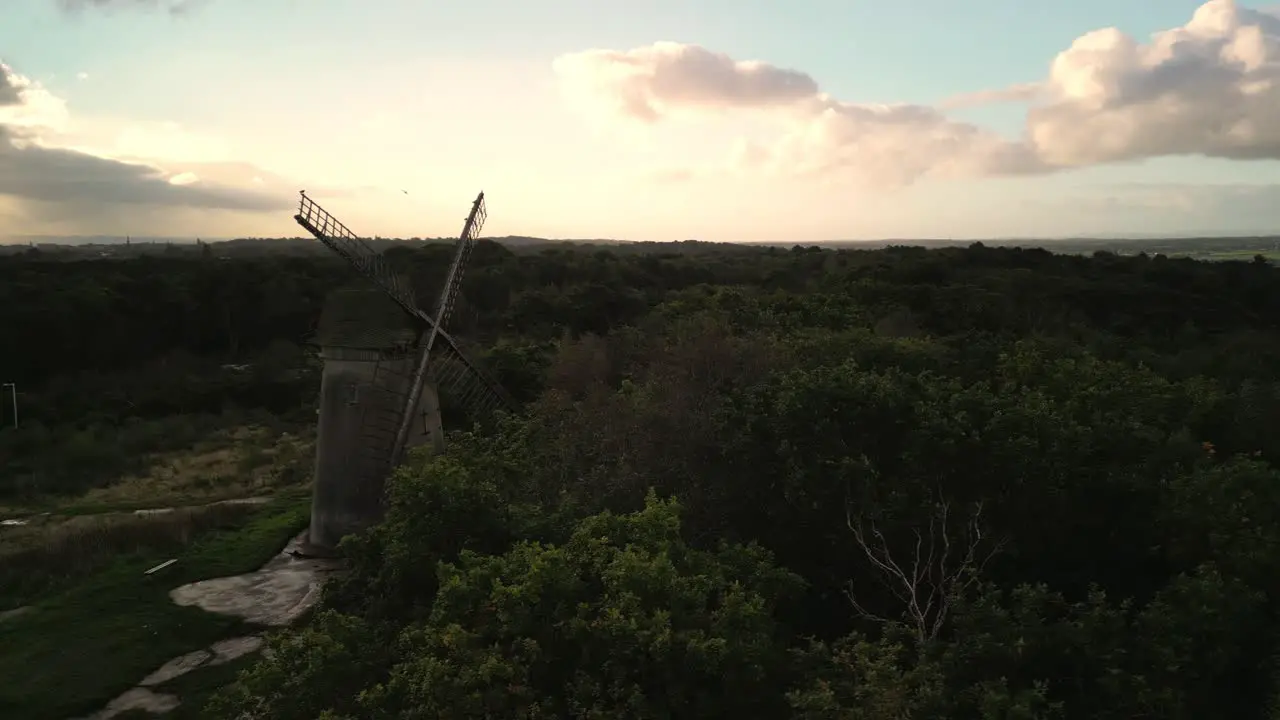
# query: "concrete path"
x,y
275,595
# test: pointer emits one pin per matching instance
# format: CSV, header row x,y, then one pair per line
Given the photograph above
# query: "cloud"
x,y
882,145
1021,92
25,104
9,90
892,146
648,82
1210,87
32,170
173,7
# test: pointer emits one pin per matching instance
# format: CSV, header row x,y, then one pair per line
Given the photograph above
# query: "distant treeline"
x,y
80,248
62,318
100,344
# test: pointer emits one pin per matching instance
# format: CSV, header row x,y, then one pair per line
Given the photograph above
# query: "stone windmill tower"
x,y
385,362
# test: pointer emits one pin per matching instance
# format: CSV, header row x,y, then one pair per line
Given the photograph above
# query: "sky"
x,y
742,120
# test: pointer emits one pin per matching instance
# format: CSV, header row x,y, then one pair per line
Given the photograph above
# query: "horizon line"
x,y
193,239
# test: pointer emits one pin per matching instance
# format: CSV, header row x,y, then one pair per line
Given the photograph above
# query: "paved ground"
x,y
275,595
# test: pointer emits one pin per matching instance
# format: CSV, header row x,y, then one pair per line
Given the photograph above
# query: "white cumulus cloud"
x,y
885,144
895,145
1210,87
647,83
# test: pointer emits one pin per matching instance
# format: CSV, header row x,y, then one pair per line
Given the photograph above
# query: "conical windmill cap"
x,y
361,316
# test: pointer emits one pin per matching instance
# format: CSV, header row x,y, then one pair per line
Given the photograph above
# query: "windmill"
x,y
386,360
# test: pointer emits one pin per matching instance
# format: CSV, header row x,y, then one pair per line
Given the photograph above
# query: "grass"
x,y
232,463
40,559
43,461
84,535
238,463
75,651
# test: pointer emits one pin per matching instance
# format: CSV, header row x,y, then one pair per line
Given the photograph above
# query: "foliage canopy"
x,y
964,483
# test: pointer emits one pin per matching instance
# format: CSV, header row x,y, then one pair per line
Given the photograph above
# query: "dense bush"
x,y
1058,536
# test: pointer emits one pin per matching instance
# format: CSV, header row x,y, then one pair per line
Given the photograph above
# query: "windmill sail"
x,y
465,380
470,229
367,261
466,241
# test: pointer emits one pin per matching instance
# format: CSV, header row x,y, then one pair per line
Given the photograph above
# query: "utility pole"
x,y
13,394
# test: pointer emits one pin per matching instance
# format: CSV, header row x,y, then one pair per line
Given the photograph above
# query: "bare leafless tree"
x,y
928,578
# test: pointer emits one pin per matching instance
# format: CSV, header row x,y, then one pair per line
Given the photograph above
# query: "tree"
x,y
933,573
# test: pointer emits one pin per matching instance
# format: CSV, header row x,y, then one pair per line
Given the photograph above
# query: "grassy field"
x,y
63,541
1245,255
75,650
243,462
91,624
233,463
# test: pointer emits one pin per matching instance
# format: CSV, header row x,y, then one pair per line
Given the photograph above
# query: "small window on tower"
x,y
353,394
